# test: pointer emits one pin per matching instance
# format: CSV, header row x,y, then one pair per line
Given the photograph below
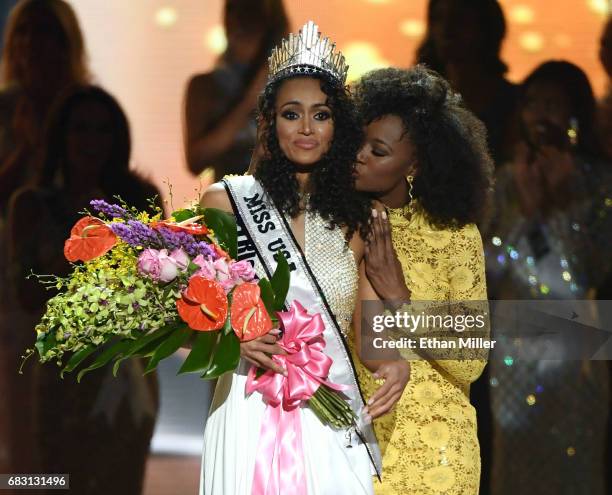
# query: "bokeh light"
x,y
216,41
362,57
601,7
531,41
521,14
166,17
413,28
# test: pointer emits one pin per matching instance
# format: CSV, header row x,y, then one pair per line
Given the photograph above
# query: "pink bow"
x,y
279,468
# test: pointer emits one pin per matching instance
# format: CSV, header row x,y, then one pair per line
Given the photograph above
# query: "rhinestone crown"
x,y
307,53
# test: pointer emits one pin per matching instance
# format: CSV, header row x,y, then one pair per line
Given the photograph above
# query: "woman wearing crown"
x,y
309,137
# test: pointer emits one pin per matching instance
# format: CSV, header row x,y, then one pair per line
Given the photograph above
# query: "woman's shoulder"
x,y
203,85
215,196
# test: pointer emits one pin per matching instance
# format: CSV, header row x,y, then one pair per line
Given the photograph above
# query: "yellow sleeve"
x,y
467,282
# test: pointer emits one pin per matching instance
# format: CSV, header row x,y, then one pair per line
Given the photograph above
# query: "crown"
x,y
307,53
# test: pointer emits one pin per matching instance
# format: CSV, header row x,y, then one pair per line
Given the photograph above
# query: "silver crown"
x,y
307,53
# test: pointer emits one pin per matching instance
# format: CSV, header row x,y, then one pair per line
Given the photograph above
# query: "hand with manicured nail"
x,y
259,350
383,269
396,375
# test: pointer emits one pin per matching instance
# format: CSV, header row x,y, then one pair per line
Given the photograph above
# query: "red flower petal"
x,y
203,305
89,238
249,316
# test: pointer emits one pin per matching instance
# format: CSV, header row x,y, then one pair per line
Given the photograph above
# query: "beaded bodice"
x,y
333,265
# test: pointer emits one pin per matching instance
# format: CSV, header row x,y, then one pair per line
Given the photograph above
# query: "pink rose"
x,y
242,271
148,263
168,267
181,258
207,270
224,277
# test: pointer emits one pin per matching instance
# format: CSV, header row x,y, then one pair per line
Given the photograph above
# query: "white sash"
x,y
267,232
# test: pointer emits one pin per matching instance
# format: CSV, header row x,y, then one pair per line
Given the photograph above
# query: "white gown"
x,y
232,431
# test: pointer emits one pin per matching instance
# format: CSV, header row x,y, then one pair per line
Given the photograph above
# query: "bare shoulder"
x,y
216,196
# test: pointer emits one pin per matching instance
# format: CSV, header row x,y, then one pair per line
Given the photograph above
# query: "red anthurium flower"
x,y
249,316
189,225
203,305
89,238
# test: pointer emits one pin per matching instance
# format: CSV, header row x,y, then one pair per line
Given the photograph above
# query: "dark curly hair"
x,y
453,181
333,195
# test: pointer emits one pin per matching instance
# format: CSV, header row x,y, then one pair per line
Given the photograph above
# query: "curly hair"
x,y
332,184
454,169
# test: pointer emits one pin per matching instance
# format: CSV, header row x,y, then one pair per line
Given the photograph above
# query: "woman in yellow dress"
x,y
425,160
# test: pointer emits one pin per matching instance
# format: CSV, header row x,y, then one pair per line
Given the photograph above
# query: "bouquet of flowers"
x,y
142,287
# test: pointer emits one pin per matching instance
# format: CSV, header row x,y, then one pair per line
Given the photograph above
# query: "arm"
x,y
260,350
466,282
205,141
394,370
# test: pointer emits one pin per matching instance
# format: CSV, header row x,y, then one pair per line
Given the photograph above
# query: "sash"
x,y
262,233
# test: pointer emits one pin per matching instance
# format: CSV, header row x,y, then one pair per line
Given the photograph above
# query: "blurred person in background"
x,y
43,54
550,239
463,43
604,116
220,130
99,431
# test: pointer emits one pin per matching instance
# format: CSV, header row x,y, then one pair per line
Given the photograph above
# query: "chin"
x,y
306,159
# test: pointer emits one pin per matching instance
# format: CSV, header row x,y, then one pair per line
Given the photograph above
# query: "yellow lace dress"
x,y
429,440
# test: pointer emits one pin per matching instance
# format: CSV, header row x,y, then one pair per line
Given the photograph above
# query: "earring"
x,y
572,131
410,205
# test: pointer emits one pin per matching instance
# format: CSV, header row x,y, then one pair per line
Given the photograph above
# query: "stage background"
x,y
144,52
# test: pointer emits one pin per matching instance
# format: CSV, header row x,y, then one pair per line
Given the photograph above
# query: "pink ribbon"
x,y
279,468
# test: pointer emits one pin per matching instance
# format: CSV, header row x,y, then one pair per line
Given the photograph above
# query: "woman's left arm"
x,y
390,367
467,285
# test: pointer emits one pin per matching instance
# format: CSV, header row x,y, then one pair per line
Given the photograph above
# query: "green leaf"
x,y
280,282
138,345
183,214
267,295
169,346
224,226
199,358
105,357
226,356
45,342
77,358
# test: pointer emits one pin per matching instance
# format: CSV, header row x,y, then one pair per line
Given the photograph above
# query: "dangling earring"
x,y
410,205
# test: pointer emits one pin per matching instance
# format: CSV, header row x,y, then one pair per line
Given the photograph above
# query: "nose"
x,y
306,127
361,155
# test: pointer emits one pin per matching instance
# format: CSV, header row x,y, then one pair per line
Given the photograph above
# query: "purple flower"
x,y
136,233
108,209
193,247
